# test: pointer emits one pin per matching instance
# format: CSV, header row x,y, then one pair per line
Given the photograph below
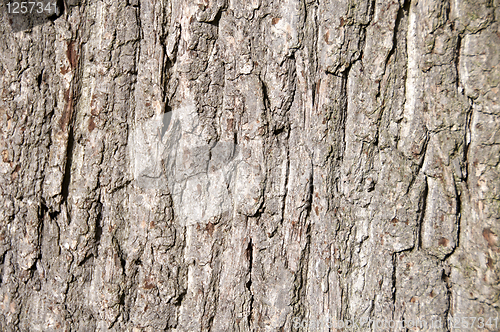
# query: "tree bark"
x,y
259,165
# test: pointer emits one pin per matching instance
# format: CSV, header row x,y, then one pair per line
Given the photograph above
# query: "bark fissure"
x,y
422,211
66,181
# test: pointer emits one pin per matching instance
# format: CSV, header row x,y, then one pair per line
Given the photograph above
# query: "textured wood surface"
x,y
260,165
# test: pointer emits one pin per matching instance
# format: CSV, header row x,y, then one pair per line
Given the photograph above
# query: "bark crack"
x,y
248,284
67,167
423,206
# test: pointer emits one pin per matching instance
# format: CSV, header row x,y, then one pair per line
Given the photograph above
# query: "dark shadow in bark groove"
x,y
167,117
67,170
422,208
249,256
98,226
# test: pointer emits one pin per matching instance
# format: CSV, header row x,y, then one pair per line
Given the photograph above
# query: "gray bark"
x,y
256,165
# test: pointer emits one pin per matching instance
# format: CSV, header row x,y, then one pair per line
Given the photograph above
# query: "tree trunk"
x,y
258,165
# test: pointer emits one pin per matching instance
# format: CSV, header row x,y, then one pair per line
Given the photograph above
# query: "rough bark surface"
x,y
260,165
